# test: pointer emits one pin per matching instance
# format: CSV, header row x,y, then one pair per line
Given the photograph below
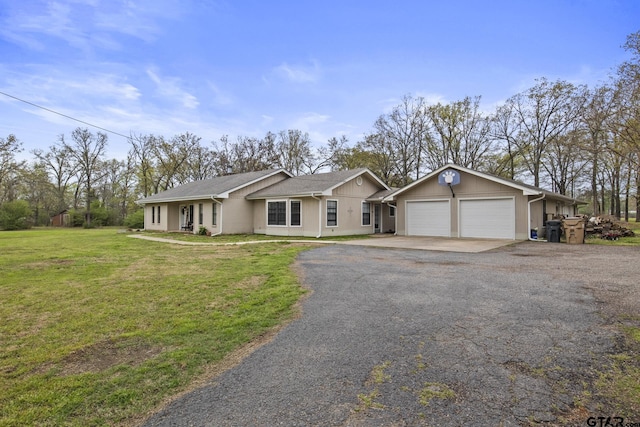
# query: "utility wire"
x,y
63,115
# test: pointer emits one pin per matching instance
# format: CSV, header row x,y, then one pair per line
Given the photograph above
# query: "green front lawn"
x,y
97,328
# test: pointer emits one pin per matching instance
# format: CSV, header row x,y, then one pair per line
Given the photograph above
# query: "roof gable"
x,y
218,187
321,184
527,190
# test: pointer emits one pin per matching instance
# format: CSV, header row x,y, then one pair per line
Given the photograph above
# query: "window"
x,y
392,211
276,213
214,214
153,214
366,213
295,213
158,214
332,213
200,214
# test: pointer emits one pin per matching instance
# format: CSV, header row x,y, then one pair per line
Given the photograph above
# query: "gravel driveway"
x,y
404,337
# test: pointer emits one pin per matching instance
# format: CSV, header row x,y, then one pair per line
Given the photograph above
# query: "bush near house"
x,y
135,219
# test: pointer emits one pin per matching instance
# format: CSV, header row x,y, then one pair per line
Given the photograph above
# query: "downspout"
x,y
319,216
219,203
529,219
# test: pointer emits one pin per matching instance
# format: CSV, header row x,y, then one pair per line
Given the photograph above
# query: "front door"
x,y
186,217
376,219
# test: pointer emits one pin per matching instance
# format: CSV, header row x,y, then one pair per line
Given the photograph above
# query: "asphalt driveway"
x,y
389,337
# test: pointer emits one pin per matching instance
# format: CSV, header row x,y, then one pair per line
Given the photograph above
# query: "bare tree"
x,y
200,164
461,134
539,115
60,164
142,152
564,162
627,121
247,154
87,150
402,133
294,152
170,158
596,116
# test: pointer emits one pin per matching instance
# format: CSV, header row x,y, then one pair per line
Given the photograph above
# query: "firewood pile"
x,y
606,227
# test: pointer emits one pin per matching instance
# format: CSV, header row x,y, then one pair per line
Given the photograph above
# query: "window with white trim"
x,y
277,213
158,215
332,213
295,213
200,214
153,214
366,213
392,211
214,213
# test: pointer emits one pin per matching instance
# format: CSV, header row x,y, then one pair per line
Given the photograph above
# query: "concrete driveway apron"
x,y
391,338
431,243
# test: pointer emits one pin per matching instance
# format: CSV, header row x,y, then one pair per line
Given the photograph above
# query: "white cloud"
x,y
170,88
85,24
309,120
220,97
299,73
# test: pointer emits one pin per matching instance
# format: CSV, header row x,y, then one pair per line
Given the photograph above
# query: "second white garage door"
x,y
431,218
488,218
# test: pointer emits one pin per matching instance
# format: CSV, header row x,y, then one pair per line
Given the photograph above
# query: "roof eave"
x,y
184,198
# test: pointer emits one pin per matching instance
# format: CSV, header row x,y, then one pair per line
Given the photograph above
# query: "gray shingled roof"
x,y
219,186
380,195
307,185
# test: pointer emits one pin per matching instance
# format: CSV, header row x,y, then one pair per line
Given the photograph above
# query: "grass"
x,y
433,390
620,385
98,329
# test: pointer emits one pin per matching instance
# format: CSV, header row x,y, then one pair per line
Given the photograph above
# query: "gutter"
x,y
219,203
529,219
319,216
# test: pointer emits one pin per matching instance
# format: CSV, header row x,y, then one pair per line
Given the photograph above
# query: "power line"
x,y
63,115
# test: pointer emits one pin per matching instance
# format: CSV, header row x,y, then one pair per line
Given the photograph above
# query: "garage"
x,y
488,218
429,218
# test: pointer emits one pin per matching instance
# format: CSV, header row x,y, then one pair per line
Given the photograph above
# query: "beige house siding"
x,y
470,187
308,218
349,196
149,215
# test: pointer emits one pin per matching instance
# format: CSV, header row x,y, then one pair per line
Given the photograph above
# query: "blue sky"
x,y
329,68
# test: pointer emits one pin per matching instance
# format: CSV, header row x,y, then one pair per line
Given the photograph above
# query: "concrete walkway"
x,y
381,241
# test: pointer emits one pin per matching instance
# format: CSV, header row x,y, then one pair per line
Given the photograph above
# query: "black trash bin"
x,y
554,228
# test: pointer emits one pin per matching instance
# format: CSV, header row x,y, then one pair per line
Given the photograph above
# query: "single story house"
x,y
274,202
454,201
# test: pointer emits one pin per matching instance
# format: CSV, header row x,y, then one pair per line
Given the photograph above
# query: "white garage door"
x,y
488,218
429,218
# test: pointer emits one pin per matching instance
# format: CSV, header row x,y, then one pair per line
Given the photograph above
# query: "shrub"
x,y
135,220
15,215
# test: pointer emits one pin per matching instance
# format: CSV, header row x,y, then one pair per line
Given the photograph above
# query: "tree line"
x,y
572,139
